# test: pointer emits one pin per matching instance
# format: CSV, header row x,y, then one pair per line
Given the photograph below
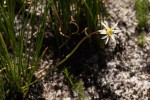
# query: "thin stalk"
x,y
76,47
7,54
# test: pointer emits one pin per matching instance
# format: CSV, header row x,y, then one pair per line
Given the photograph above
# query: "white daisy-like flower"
x,y
109,32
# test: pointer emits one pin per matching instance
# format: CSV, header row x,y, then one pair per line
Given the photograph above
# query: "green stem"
x,y
7,57
77,46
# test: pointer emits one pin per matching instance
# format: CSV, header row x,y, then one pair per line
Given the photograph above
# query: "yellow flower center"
x,y
109,31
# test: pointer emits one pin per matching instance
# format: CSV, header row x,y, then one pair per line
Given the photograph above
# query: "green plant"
x,y
70,18
84,15
76,86
141,7
17,58
142,10
66,18
141,39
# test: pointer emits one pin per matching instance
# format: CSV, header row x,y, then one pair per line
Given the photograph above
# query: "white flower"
x,y
109,32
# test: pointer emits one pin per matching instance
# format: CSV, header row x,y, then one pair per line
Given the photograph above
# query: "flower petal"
x,y
116,31
115,26
102,31
113,38
105,24
107,40
104,37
